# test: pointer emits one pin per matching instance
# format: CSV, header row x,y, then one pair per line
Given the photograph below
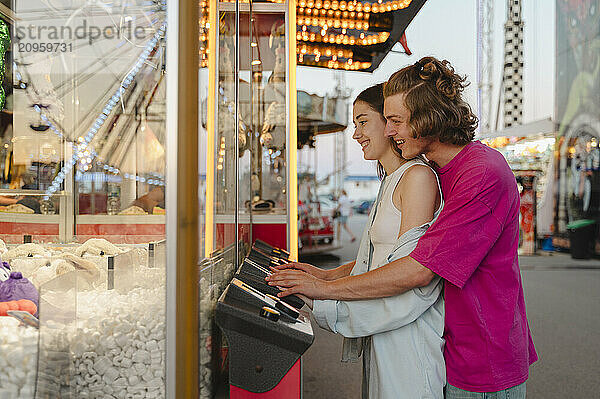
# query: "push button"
x,y
270,313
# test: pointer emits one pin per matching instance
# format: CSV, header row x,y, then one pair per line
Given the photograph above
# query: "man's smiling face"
x,y
399,130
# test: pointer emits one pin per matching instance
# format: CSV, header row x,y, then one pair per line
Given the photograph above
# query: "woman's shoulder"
x,y
418,169
417,172
417,179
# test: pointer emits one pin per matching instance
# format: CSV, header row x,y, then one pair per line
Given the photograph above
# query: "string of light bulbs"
x,y
326,51
364,6
349,65
326,23
356,15
365,40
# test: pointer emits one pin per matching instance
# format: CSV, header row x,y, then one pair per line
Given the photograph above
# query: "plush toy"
x,y
97,246
22,304
29,250
49,271
13,288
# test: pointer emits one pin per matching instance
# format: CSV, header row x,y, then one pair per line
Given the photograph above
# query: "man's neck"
x,y
442,153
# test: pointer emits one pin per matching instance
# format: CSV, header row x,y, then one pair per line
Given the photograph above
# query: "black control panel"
x,y
266,334
254,275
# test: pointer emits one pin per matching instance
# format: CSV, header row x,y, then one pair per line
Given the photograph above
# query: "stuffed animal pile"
x,y
114,343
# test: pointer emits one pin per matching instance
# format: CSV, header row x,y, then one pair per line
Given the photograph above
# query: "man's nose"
x,y
388,131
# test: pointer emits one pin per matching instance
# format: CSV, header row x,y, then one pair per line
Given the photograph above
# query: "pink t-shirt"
x,y
473,246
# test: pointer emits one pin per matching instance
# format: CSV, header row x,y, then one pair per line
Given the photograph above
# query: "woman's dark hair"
x,y
373,97
432,94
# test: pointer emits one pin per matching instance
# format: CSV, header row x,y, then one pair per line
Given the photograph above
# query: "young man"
x,y
472,245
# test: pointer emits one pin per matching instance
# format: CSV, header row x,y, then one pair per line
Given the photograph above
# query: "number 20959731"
x,y
44,47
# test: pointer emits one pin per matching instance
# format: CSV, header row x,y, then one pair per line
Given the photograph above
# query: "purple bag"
x,y
15,287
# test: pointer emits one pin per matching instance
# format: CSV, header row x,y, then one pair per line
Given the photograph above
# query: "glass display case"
x,y
82,200
249,171
84,129
248,127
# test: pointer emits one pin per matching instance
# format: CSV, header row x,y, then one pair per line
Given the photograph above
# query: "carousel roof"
x,y
347,35
351,35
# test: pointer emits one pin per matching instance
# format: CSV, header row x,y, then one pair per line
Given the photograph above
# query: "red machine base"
x,y
290,387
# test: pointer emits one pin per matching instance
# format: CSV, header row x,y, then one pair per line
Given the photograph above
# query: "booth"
x,y
529,150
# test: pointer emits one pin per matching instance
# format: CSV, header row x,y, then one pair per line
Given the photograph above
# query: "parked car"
x,y
363,206
327,206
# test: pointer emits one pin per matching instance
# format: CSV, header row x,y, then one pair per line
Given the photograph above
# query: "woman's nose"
x,y
356,134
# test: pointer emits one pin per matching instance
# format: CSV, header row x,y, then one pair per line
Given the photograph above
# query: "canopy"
x,y
351,35
320,115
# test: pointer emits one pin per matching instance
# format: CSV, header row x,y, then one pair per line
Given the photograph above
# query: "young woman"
x,y
400,337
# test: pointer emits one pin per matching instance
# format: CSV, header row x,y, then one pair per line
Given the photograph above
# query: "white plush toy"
x,y
25,251
41,270
28,266
65,263
97,246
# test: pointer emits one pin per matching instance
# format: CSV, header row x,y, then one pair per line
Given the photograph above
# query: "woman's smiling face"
x,y
369,126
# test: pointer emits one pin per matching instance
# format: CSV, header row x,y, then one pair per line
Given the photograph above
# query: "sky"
x,y
447,30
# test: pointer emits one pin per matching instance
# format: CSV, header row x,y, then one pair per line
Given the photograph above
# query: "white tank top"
x,y
386,224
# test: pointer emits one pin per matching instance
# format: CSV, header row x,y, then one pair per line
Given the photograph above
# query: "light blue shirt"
x,y
403,354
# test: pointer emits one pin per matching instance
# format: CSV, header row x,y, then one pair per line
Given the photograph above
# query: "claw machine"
x,y
250,185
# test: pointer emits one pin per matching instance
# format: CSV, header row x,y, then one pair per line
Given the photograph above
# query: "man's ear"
x,y
414,131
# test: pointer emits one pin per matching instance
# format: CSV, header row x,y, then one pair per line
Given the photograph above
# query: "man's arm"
x,y
392,279
6,200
